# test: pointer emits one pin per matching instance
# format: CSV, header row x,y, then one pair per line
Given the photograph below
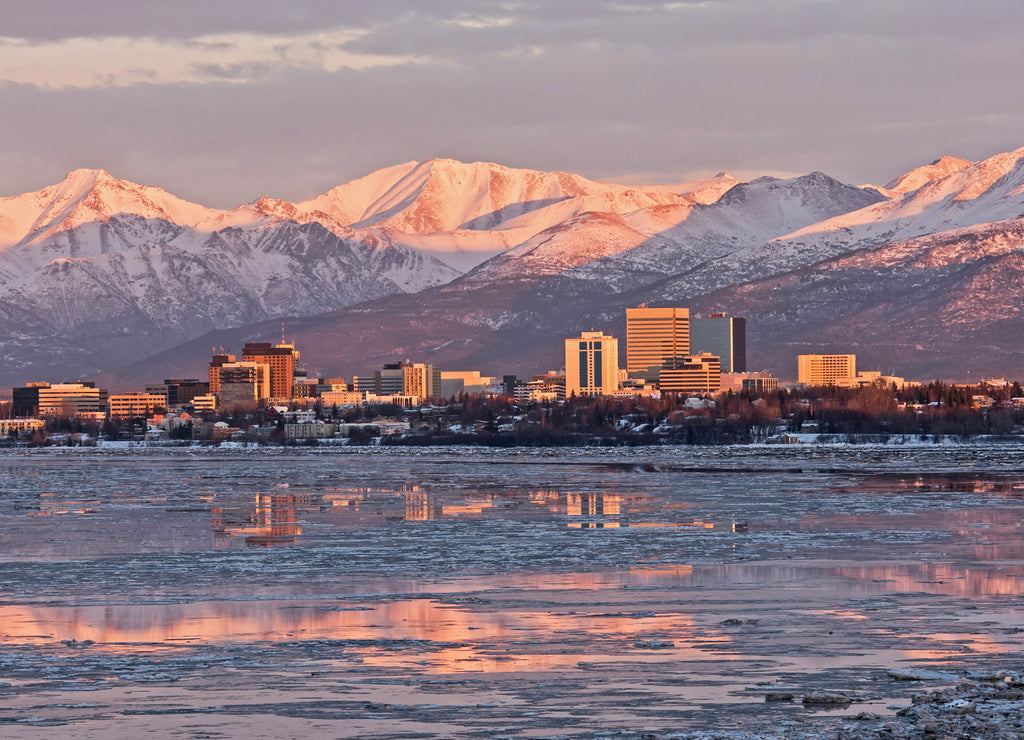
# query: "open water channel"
x,y
467,593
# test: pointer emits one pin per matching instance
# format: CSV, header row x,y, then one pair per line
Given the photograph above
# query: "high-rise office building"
x,y
216,363
723,336
656,338
825,369
26,398
591,365
245,383
421,379
281,358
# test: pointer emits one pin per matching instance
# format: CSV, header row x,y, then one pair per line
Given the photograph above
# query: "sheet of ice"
x,y
519,593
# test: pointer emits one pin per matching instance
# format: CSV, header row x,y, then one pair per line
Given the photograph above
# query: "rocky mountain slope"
x,y
96,273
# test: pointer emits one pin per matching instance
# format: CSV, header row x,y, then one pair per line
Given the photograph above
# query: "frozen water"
x,y
522,593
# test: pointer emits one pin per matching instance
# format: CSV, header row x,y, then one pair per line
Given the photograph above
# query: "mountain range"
x,y
483,266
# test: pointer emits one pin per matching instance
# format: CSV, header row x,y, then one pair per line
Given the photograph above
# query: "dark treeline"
x,y
878,412
875,412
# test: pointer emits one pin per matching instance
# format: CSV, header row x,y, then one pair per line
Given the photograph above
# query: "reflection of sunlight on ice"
x,y
969,643
841,614
439,637
939,578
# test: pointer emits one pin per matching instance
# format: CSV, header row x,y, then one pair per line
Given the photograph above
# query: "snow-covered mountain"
x,y
465,213
961,194
936,304
88,196
96,272
121,270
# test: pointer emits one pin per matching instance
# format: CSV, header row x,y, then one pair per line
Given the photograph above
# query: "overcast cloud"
x,y
224,102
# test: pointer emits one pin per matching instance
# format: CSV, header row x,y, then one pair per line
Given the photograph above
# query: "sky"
x,y
226,101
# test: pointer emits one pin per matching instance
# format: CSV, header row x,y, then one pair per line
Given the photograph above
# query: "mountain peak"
x,y
90,195
86,175
921,176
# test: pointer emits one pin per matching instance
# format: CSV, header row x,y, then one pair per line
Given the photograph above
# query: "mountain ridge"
x,y
114,271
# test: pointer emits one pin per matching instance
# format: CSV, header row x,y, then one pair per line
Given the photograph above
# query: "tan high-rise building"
x,y
825,369
656,338
420,379
591,365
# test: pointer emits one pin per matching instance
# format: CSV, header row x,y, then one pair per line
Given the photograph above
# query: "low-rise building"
x,y
754,382
825,369
341,399
454,382
60,399
384,428
23,427
406,402
135,403
315,429
870,377
537,390
695,374
204,403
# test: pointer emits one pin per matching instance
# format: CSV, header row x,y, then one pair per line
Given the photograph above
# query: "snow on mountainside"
x,y
663,240
754,212
466,213
990,190
351,202
577,241
446,195
932,306
923,175
118,269
87,196
976,194
706,191
120,305
96,272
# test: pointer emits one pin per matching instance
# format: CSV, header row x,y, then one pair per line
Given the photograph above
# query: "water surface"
x,y
475,593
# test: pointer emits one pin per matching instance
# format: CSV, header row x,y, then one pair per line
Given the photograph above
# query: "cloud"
x,y
223,107
122,61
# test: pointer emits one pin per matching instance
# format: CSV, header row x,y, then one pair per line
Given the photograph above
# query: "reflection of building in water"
x,y
603,510
366,505
271,522
421,506
593,510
